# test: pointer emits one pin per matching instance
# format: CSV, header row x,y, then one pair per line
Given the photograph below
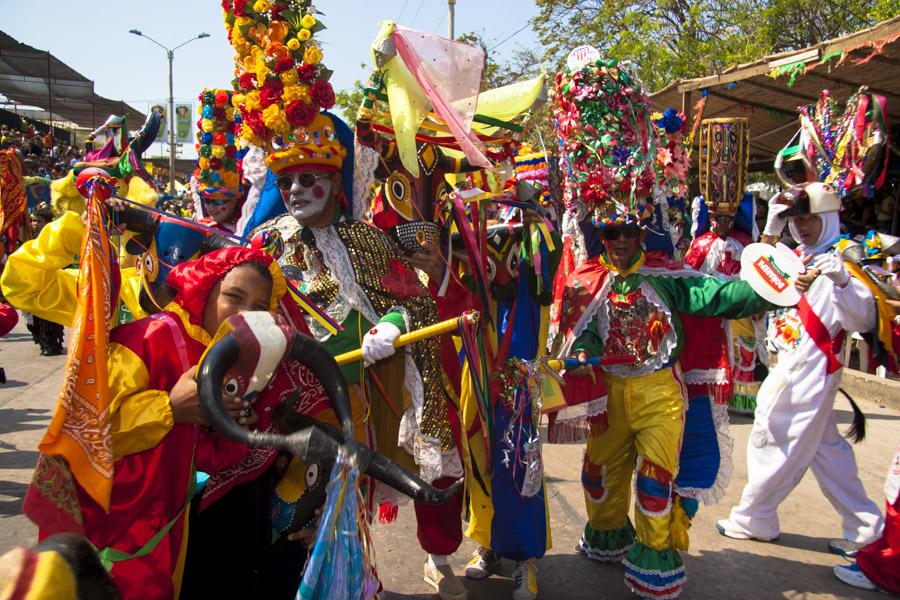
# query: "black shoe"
x,y
845,548
2,375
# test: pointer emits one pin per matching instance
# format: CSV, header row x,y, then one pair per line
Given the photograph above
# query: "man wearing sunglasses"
x,y
615,306
359,276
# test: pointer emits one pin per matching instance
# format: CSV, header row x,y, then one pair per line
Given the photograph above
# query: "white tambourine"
x,y
772,272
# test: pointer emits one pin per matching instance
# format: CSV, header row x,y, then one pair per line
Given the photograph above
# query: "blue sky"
x,y
92,37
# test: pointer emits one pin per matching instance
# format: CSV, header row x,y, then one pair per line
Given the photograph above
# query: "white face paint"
x,y
308,203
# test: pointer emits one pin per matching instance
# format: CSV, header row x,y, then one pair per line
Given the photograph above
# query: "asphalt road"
x,y
796,567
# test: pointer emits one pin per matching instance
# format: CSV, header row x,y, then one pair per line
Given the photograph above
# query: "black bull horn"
x,y
314,443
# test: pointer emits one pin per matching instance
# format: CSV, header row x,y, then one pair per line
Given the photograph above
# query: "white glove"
x,y
775,221
378,343
832,267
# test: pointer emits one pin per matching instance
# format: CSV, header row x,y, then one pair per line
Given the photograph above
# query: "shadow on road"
x,y
23,419
12,383
17,491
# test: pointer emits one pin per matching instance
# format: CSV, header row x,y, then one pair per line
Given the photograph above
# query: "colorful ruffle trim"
x,y
607,546
654,574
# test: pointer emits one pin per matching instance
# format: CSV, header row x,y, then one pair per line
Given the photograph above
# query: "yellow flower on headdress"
x,y
231,179
289,77
293,44
261,74
229,114
240,22
200,109
295,92
241,46
251,100
206,125
312,55
218,151
203,163
275,120
261,6
308,21
237,100
303,35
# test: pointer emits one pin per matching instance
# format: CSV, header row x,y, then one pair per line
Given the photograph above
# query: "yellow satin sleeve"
x,y
36,279
141,418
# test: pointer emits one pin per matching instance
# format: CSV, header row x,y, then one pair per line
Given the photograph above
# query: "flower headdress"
x,y
218,171
603,119
672,162
282,83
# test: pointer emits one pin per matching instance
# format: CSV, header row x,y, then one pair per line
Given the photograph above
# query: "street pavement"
x,y
797,566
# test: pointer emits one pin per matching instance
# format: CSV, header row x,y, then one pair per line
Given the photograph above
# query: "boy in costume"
x,y
794,428
154,434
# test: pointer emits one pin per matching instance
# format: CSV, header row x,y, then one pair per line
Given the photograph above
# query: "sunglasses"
x,y
629,231
307,180
216,202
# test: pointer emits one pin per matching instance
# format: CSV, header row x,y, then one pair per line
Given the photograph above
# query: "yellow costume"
x,y
37,277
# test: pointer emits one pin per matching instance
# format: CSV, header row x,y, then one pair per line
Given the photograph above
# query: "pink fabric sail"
x,y
449,73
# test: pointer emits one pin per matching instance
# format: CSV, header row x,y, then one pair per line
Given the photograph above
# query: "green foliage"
x,y
670,39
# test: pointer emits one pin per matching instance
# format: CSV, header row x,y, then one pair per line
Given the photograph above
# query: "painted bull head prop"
x,y
314,442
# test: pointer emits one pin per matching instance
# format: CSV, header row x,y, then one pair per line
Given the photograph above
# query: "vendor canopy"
x,y
37,78
768,91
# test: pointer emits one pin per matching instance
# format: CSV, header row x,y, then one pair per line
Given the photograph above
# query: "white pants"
x,y
793,432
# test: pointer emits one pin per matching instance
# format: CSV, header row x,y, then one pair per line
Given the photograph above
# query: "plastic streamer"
x,y
342,562
478,365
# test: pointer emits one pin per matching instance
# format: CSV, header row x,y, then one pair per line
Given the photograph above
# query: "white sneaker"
x,y
852,575
724,528
525,577
445,583
483,562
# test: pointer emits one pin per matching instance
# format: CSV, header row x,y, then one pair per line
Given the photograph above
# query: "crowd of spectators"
x,y
42,155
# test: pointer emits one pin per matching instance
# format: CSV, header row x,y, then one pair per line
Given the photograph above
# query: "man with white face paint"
x,y
795,427
359,276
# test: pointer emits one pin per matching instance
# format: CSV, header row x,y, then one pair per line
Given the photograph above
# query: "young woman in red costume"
x,y
158,434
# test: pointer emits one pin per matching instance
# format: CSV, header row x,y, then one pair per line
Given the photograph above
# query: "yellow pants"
x,y
646,422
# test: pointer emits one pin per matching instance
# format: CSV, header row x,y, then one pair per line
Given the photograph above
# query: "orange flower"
x,y
277,51
277,31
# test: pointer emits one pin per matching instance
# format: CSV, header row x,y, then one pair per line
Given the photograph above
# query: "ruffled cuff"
x,y
609,545
396,319
654,574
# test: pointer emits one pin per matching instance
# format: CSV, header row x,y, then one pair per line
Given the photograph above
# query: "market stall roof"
x,y
768,91
37,78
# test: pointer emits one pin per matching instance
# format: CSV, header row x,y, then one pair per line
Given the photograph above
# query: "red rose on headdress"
x,y
285,63
322,94
276,11
230,151
221,98
254,121
219,139
219,112
231,127
271,92
247,81
215,163
306,73
239,6
300,113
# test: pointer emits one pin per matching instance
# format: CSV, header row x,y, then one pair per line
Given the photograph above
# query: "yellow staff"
x,y
414,336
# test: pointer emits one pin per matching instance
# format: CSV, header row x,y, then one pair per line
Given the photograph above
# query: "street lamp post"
x,y
170,54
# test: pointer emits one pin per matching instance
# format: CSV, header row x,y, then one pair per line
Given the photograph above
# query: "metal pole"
x,y
171,129
451,26
49,94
